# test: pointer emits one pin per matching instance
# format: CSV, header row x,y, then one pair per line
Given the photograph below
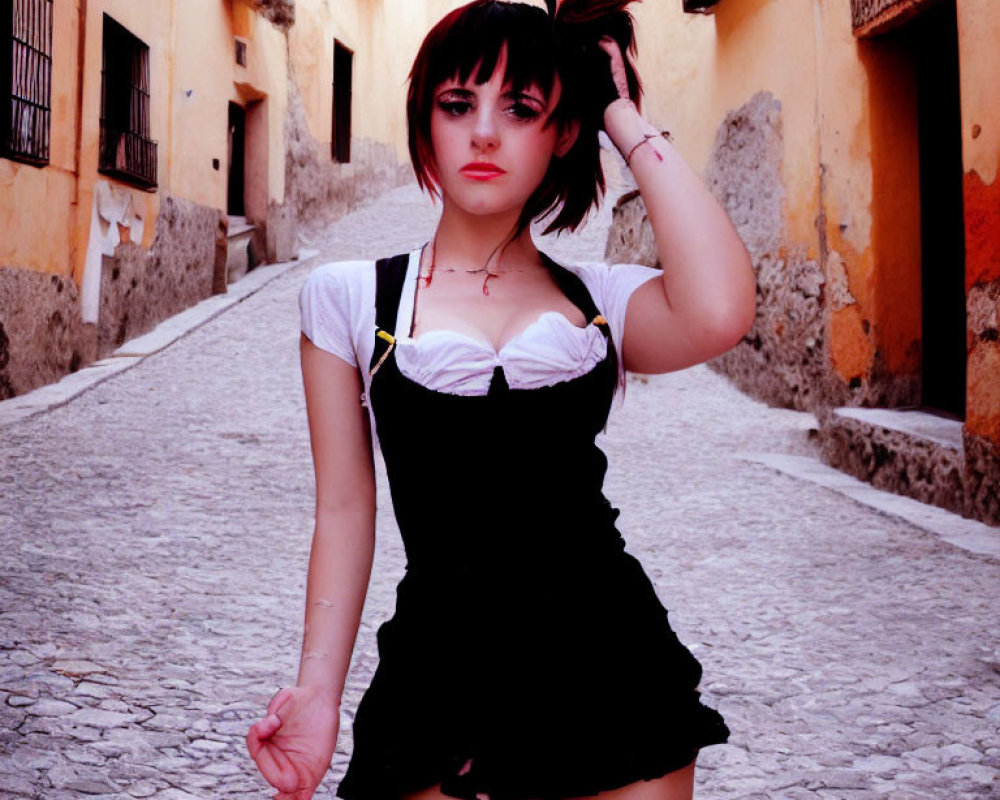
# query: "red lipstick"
x,y
482,171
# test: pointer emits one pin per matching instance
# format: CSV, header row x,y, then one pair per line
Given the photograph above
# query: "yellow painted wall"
x,y
384,38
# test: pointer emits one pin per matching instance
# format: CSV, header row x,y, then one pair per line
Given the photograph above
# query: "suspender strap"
x,y
390,274
574,288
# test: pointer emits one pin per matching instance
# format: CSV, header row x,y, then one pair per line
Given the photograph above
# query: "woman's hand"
x,y
618,75
294,743
622,121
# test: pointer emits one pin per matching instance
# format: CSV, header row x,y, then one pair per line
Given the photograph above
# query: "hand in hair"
x,y
618,74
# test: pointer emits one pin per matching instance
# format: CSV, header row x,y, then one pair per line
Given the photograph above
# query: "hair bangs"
x,y
473,44
468,44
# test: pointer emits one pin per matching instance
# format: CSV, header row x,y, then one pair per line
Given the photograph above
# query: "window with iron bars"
x,y
127,152
26,80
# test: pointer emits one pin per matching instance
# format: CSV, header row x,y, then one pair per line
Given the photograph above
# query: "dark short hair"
x,y
471,38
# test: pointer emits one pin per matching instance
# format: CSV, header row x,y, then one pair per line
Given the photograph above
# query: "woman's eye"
x,y
454,108
523,111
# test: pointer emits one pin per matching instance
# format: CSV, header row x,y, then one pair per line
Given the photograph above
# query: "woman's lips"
x,y
481,171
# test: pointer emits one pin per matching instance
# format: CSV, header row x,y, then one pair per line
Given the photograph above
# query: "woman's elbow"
x,y
735,315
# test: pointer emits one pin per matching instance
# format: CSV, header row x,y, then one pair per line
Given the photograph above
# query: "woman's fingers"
x,y
260,732
272,762
299,794
618,74
274,766
280,698
277,769
255,736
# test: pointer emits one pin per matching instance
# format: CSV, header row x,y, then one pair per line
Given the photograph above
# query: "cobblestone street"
x,y
156,531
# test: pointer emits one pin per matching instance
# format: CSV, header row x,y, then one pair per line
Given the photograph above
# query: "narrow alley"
x,y
156,531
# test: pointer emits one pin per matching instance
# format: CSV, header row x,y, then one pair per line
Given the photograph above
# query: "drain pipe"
x,y
81,56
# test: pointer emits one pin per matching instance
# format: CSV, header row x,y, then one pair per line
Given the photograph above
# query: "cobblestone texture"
x,y
156,532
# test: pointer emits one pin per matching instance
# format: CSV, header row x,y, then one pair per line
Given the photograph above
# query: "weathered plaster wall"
x,y
979,58
383,38
42,336
319,189
869,221
206,78
723,86
140,287
837,261
281,13
979,31
783,359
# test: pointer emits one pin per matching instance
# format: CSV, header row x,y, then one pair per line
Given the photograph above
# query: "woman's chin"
x,y
487,208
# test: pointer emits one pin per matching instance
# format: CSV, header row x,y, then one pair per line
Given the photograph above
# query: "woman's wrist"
x,y
321,689
626,127
316,674
623,123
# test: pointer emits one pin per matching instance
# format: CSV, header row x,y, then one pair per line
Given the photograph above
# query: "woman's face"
x,y
492,145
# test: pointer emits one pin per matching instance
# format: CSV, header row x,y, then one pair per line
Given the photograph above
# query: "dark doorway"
x,y
343,77
237,161
932,37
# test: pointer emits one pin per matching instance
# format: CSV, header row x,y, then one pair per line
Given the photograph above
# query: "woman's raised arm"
x,y
706,300
294,743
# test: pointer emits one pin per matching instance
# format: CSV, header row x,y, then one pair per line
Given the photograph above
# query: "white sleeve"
x,y
620,282
612,287
328,308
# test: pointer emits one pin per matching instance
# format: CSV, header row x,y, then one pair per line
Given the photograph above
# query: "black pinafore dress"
x,y
529,657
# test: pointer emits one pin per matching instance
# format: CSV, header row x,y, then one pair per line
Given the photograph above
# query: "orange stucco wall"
x,y
37,202
193,76
841,126
979,32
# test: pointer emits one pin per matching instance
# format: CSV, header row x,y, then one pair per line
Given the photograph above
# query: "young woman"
x,y
528,657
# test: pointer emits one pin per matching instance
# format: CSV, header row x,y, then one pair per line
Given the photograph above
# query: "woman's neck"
x,y
481,241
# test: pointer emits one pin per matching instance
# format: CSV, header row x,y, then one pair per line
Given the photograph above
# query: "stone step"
x,y
909,451
238,248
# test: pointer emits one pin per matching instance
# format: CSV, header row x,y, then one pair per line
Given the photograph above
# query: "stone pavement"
x,y
156,531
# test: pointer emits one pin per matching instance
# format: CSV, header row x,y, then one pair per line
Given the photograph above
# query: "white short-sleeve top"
x,y
337,305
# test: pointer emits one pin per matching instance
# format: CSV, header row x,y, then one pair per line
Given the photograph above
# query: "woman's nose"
x,y
484,135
